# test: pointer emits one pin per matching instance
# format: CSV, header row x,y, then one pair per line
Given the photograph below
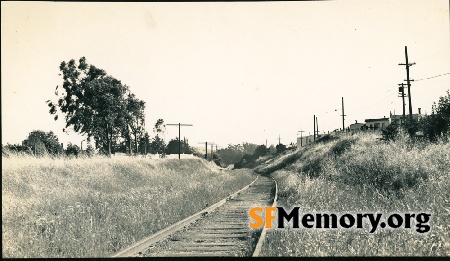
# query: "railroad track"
x,y
219,230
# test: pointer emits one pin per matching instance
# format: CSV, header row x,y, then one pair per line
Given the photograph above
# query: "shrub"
x,y
390,133
437,125
261,150
342,146
72,150
327,138
280,148
15,149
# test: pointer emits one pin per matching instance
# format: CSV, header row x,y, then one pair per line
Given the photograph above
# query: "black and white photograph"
x,y
225,129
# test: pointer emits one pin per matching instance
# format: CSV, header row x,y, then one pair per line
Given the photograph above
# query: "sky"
x,y
237,71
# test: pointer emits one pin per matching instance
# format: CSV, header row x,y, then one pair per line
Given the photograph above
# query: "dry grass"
x,y
95,207
360,174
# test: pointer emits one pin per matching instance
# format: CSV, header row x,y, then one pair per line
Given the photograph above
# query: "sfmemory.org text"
x,y
417,221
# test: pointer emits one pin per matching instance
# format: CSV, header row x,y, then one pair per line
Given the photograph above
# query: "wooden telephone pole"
x,y
206,148
314,132
343,115
408,81
301,137
212,150
179,135
317,128
401,91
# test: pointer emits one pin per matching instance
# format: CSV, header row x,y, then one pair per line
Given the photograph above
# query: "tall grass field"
x,y
93,207
363,174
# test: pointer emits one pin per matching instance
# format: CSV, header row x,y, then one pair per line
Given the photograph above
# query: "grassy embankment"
x,y
362,174
96,206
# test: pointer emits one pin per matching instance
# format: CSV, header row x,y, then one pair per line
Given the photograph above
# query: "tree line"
x,y
41,143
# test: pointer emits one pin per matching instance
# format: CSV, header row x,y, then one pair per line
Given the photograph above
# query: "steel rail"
x,y
140,246
262,237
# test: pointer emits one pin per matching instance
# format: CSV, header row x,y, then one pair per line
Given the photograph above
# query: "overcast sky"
x,y
237,71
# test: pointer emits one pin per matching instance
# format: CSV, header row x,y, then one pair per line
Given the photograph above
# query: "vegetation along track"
x,y
219,230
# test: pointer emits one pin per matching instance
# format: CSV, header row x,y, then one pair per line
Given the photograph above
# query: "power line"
x,y
391,92
432,77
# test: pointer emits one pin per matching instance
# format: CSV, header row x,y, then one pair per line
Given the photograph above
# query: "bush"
x,y
327,138
342,146
280,148
261,150
437,125
72,150
15,149
393,166
390,133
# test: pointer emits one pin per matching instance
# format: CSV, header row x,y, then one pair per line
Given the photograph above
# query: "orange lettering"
x,y
258,219
269,216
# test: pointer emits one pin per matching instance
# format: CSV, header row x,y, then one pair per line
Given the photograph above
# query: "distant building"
x,y
356,127
377,124
398,119
305,140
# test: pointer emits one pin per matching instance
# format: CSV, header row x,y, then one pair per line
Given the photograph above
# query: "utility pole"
x,y
301,137
179,136
217,146
314,132
212,151
146,141
401,91
408,81
317,127
343,115
279,139
206,147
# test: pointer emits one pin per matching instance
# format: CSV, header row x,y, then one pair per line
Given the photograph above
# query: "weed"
x,y
369,175
93,207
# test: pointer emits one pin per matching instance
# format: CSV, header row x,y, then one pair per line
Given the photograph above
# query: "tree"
x,y
16,148
90,150
438,123
272,149
96,104
72,149
231,155
144,143
391,132
160,127
134,121
249,148
173,147
42,142
280,148
157,145
261,150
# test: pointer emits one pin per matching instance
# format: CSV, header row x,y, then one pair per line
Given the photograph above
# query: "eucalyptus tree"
x,y
134,121
95,103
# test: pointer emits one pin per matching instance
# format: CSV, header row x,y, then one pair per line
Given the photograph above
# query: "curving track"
x,y
220,230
